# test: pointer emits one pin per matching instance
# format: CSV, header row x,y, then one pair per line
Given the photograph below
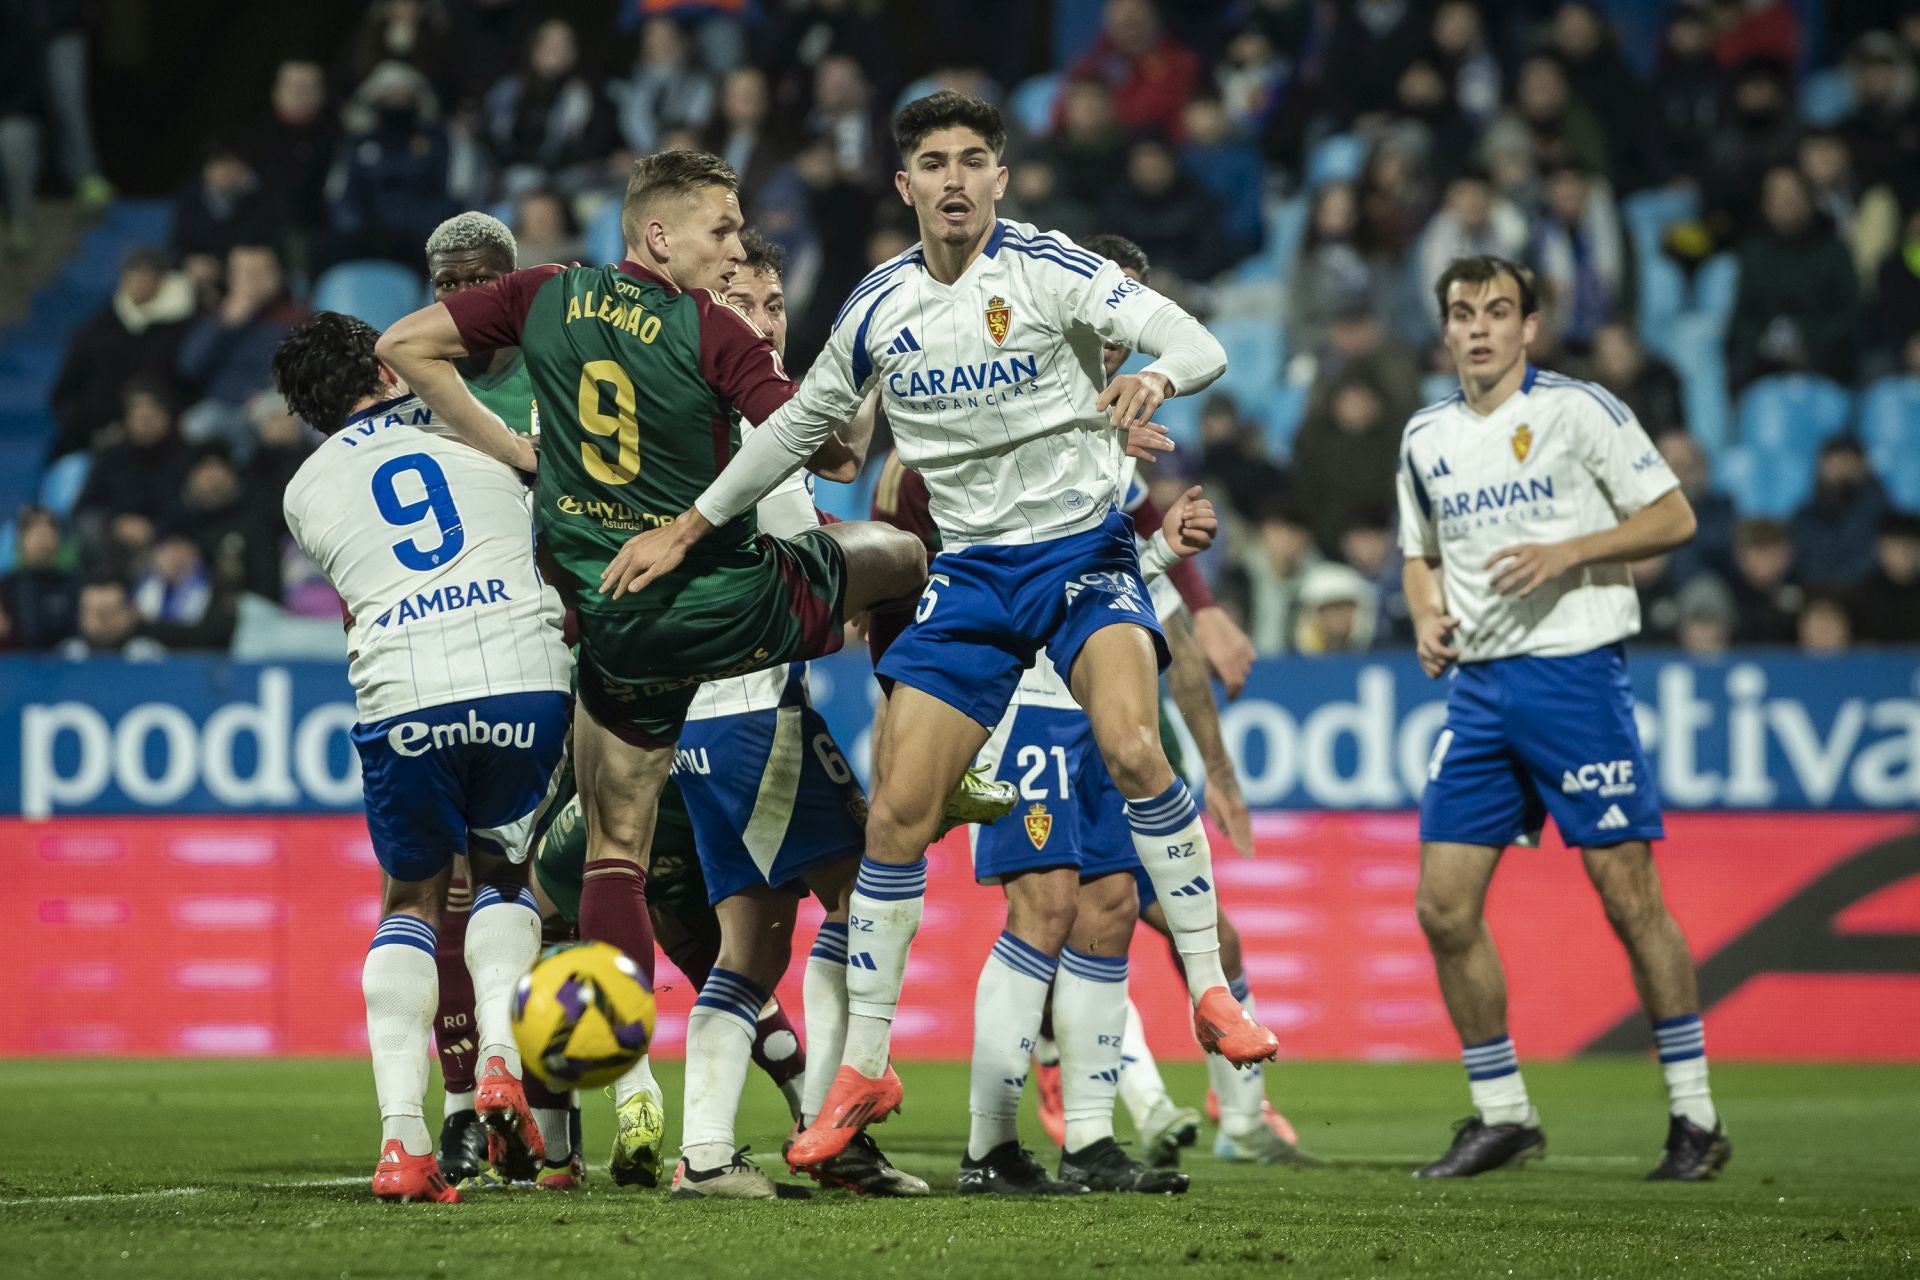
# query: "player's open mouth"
x,y
956,208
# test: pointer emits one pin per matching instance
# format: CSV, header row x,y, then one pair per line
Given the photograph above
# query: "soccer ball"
x,y
582,1016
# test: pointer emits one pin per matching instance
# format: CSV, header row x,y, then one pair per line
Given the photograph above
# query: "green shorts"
x,y
640,668
675,886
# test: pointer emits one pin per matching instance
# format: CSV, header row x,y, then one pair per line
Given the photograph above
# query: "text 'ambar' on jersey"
x,y
444,600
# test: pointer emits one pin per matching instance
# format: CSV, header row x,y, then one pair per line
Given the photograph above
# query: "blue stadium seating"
x,y
1762,483
61,485
1663,294
19,470
1793,414
1695,351
1716,287
1340,158
1648,213
377,292
1031,103
1256,350
604,242
1826,96
1890,430
1280,410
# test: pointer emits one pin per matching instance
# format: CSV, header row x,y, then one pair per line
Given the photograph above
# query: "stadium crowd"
x,y
1301,169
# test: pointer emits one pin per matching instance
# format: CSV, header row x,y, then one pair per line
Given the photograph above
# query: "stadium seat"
x,y
1826,96
1890,429
1695,352
1663,291
377,292
604,241
1281,410
1340,158
1761,484
61,485
1256,351
1793,414
1649,212
9,540
19,469
1716,287
1031,103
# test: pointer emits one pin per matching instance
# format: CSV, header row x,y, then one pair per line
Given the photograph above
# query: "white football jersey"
x,y
1559,459
787,511
430,543
990,382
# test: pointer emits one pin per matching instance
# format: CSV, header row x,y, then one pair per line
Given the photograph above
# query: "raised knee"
x,y
1138,766
1449,926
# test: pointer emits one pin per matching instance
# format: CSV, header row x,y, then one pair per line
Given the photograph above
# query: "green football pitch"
x,y
234,1169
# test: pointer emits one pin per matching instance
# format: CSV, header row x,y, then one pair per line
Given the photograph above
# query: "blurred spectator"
x,y
292,149
1235,459
394,179
1689,94
1369,46
1336,610
133,479
1089,148
1707,617
1034,195
109,626
1344,457
1254,80
489,35
797,38
1886,607
1823,626
1557,127
238,535
1884,126
545,229
175,589
224,207
1756,136
1798,299
63,54
998,37
1896,302
1757,29
1459,42
664,91
41,594
1578,249
1710,551
1395,198
1765,601
1263,584
1472,221
224,358
1358,347
137,334
1659,588
1620,363
1834,532
843,118
1168,214
1867,218
1368,548
745,134
1588,50
1230,170
550,125
22,101
1428,122
1150,73
718,26
1336,270
415,32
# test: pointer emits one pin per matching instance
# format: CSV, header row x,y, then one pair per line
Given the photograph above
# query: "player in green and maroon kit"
x,y
638,369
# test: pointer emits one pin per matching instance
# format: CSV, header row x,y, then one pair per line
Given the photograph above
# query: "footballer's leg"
x,y
1090,1016
401,988
930,744
1114,676
503,940
1008,1004
1451,906
1663,973
1250,1129
463,1139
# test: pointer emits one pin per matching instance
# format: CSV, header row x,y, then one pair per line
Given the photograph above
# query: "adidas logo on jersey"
x,y
1612,819
1193,888
903,342
1440,468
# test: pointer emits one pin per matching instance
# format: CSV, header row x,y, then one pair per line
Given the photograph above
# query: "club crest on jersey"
x,y
1039,824
999,319
1522,442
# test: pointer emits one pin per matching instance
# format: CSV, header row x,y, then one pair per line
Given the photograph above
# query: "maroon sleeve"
x,y
739,361
494,315
1185,574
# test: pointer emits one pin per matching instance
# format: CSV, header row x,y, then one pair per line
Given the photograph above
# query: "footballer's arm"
x,y
421,349
845,451
1660,526
1427,604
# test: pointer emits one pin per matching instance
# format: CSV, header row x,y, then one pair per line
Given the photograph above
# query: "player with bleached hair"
x,y
1524,497
986,338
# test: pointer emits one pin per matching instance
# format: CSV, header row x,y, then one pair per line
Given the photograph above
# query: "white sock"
x,y
402,989
638,1079
720,1033
1090,1015
1683,1060
1172,845
556,1131
885,914
824,993
1241,1090
1007,1006
503,940
456,1102
1141,1087
1493,1078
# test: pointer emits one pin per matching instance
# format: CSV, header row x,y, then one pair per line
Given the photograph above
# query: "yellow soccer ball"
x,y
582,1015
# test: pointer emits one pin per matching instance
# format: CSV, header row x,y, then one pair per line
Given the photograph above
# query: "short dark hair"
x,y
1484,269
325,367
763,255
944,110
1120,249
669,175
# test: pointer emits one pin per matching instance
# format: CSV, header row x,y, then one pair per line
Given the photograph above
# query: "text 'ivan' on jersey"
x,y
1559,459
990,382
430,544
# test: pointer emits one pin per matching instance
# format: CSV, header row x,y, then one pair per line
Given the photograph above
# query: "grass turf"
x,y
232,1169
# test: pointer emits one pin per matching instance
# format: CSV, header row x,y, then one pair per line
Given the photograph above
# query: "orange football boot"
x,y
1223,1027
1049,1102
402,1178
853,1102
514,1146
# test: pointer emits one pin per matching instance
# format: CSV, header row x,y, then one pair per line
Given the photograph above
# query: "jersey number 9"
x,y
437,502
622,424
